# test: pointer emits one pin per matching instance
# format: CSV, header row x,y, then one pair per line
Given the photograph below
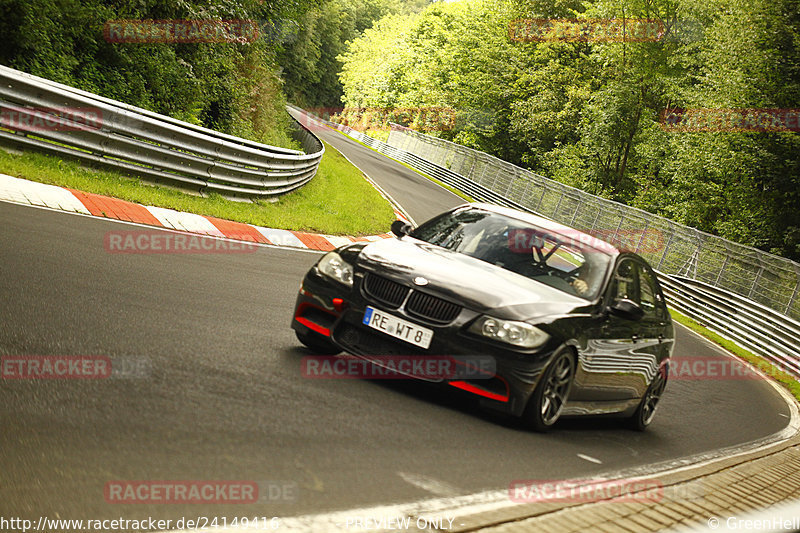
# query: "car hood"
x,y
478,285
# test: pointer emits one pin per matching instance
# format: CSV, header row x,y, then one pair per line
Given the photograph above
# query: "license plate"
x,y
398,328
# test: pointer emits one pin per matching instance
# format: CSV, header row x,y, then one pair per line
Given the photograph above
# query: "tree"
x,y
587,111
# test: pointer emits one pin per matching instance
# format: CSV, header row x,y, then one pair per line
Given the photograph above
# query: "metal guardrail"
x,y
758,328
755,326
465,185
42,115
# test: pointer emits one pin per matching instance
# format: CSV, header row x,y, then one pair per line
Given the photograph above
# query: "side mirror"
x,y
627,310
400,228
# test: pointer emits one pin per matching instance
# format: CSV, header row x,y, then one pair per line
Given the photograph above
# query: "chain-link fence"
x,y
670,247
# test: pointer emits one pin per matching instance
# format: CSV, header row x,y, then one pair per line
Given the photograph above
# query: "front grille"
x,y
385,290
363,341
372,346
431,308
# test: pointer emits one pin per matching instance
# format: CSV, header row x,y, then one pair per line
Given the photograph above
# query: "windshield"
x,y
562,260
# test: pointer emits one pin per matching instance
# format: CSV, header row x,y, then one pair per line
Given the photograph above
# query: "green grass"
x,y
338,201
409,167
785,379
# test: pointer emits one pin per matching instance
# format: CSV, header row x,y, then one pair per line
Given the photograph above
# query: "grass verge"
x,y
338,201
787,380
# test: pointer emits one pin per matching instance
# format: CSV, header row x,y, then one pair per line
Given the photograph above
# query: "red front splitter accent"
x,y
463,385
309,324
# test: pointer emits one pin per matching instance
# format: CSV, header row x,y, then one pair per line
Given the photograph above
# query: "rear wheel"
x,y
317,343
551,393
647,407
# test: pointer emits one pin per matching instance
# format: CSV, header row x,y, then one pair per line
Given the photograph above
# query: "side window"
x,y
651,303
647,287
624,284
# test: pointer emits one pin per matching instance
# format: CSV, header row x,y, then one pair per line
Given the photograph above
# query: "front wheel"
x,y
647,407
317,343
551,393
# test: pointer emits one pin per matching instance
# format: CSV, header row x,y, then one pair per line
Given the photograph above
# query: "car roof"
x,y
548,225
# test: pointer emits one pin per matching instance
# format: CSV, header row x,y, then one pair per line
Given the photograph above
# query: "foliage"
x,y
216,84
587,112
309,53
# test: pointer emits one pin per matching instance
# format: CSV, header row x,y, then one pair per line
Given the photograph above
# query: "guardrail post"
x,y
688,265
483,173
791,300
666,250
596,218
524,194
755,282
644,234
619,226
721,270
575,214
558,205
471,172
541,200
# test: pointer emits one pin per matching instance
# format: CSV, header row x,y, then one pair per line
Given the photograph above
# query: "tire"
x,y
317,343
547,401
647,407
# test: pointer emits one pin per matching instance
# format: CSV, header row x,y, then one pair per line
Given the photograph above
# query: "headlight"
x,y
333,266
508,331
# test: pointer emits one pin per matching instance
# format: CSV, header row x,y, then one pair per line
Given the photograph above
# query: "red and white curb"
x,y
27,192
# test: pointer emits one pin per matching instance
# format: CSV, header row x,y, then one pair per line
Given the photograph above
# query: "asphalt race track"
x,y
421,198
221,396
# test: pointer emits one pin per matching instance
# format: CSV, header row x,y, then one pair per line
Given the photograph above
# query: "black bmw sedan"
x,y
572,325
